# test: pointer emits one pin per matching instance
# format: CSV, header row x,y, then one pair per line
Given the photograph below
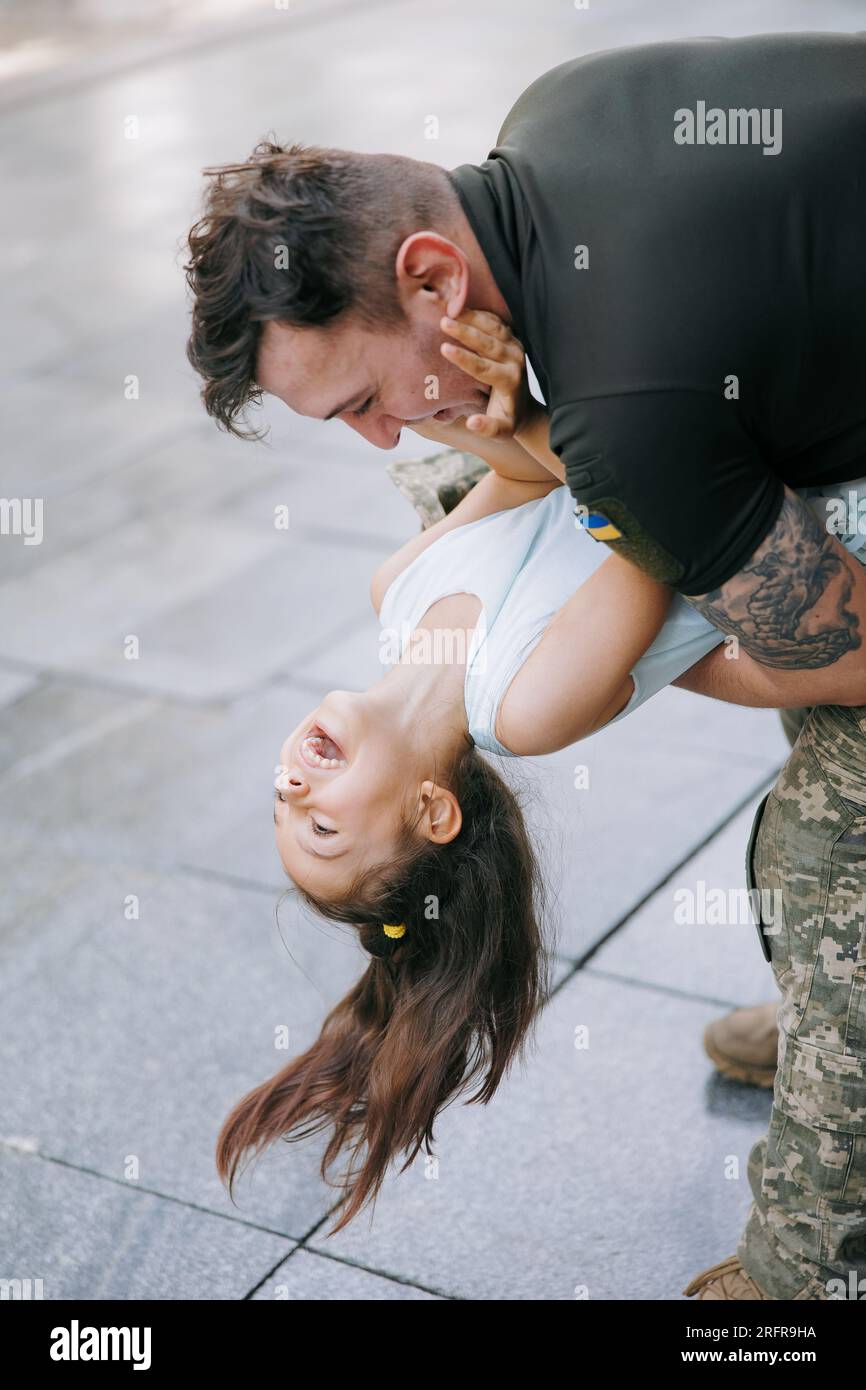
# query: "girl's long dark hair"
x,y
453,999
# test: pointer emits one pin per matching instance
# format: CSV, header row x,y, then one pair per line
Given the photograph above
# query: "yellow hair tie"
x,y
393,929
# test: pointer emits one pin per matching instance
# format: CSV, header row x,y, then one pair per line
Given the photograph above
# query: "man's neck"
x,y
483,289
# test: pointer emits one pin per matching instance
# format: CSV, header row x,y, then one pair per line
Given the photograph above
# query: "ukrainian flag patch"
x,y
599,527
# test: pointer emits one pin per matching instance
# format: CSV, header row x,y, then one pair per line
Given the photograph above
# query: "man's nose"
x,y
383,430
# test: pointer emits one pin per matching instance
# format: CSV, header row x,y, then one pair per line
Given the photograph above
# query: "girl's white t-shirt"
x,y
523,564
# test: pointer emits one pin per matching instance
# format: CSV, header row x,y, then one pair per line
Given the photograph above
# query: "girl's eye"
x,y
321,829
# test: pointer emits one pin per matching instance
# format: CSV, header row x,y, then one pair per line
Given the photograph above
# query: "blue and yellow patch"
x,y
599,527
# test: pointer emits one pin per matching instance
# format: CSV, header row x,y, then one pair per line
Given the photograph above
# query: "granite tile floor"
x,y
142,775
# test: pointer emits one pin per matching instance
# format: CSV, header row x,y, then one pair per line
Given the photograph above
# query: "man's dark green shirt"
x,y
679,231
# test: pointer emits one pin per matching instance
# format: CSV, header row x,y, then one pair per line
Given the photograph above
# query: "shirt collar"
x,y
493,203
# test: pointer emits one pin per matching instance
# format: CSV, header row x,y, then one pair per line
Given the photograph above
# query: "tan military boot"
x,y
744,1044
724,1281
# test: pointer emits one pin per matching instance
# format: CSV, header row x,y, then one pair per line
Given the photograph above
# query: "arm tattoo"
x,y
788,605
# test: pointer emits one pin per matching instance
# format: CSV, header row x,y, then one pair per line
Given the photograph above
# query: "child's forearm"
x,y
505,456
534,437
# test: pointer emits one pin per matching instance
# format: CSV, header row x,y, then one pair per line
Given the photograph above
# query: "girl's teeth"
x,y
314,754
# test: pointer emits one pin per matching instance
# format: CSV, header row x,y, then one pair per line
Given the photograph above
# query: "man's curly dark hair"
x,y
303,235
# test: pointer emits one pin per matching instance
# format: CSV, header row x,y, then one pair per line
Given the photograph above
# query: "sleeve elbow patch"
x,y
609,520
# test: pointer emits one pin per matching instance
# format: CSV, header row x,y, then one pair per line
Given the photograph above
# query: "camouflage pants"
x,y
807,1221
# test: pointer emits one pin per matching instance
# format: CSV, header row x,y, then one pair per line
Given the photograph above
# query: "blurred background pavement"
x,y
125,1040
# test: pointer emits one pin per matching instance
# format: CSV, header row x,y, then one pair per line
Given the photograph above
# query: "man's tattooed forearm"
x,y
789,604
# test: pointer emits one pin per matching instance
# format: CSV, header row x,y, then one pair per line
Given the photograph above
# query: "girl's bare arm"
x,y
533,435
505,455
578,676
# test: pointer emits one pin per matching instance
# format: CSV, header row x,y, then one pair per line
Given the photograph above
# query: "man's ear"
x,y
441,816
430,265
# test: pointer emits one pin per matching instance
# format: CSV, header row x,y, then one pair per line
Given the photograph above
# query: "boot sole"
x,y
752,1073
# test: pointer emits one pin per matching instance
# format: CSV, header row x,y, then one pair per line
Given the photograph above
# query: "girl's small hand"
x,y
490,353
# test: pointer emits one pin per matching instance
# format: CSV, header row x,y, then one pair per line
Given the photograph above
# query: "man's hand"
x,y
487,350
799,605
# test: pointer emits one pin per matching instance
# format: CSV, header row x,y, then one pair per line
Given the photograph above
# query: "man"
x,y
675,234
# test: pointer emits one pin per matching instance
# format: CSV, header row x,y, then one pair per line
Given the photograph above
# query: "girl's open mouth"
x,y
318,749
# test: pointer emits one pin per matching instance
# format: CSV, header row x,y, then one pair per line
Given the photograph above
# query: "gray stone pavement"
x,y
124,1042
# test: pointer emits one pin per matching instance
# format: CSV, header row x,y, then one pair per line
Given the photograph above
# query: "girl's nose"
x,y
288,780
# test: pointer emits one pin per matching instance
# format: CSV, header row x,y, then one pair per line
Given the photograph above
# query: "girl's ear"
x,y
440,815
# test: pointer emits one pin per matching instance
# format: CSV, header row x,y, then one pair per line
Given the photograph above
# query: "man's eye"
x,y
321,829
362,410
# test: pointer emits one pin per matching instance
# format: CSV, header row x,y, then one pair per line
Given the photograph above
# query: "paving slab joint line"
x,y
587,956
351,1264
686,995
248,885
298,1242
137,1190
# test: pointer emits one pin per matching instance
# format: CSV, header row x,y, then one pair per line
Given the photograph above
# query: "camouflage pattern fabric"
x,y
793,721
805,1236
435,485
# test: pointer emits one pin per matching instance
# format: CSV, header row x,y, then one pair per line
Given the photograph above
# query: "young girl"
x,y
513,632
